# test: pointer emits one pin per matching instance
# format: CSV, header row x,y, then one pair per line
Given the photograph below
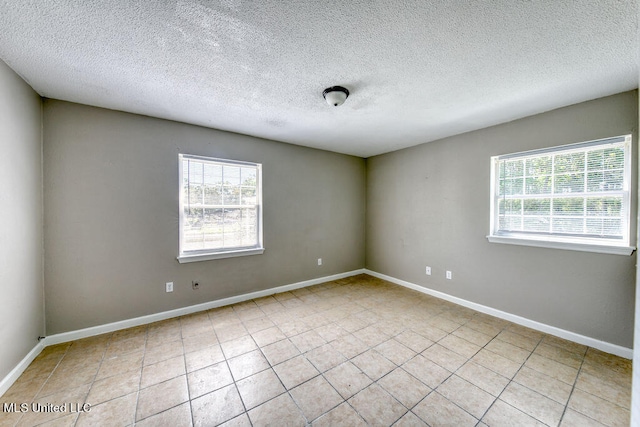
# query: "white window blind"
x,y
577,193
220,208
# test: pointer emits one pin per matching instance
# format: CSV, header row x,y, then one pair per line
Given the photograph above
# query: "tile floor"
x,y
353,352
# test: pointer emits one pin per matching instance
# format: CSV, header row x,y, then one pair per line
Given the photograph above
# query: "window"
x,y
220,208
570,197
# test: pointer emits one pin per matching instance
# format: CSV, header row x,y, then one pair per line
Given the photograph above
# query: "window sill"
x,y
219,255
584,247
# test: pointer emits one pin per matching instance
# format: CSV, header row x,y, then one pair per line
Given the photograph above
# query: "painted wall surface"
x,y
21,288
111,216
429,206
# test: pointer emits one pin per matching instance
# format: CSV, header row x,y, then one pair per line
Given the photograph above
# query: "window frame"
x,y
558,241
211,254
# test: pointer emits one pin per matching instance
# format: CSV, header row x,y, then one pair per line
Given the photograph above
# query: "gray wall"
x,y
429,205
111,216
21,289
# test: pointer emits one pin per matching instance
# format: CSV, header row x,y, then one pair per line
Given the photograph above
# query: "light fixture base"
x,y
335,95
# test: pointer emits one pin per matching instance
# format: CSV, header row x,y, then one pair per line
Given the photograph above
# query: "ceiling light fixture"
x,y
335,95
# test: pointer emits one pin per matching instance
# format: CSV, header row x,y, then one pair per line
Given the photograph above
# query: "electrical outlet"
x,y
428,271
169,286
449,275
195,284
319,261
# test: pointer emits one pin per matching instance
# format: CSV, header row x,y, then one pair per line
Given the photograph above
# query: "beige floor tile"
x,y
410,420
216,407
436,410
559,355
258,324
120,411
343,415
179,416
349,345
233,348
73,396
69,379
247,364
473,336
315,397
525,343
459,345
395,351
202,358
163,336
544,384
608,390
198,342
488,380
125,346
280,351
160,397
268,336
331,332
495,362
472,399
163,351
414,341
444,357
115,386
347,379
509,351
373,364
162,371
376,406
502,414
120,364
65,421
307,341
363,320
407,389
598,409
239,421
572,418
259,388
567,345
532,403
295,371
484,327
208,379
426,371
325,357
552,368
281,411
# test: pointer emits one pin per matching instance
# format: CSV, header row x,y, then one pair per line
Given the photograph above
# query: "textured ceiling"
x,y
417,70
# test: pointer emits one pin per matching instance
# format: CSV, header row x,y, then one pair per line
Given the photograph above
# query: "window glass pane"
x,y
574,190
568,225
212,193
248,177
568,206
571,162
539,166
604,206
231,175
537,224
569,183
537,206
538,185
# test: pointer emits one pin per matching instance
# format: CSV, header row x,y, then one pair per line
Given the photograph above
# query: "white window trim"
x,y
212,254
584,244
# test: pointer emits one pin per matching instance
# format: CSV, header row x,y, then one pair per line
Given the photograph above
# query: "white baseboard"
x,y
12,376
143,320
627,353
